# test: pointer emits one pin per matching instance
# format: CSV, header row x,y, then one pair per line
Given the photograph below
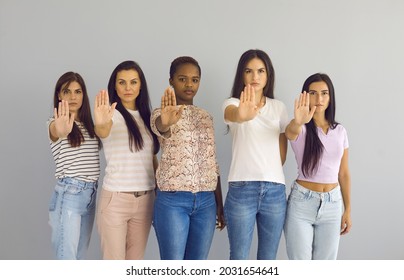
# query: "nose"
x,y
255,75
188,83
73,96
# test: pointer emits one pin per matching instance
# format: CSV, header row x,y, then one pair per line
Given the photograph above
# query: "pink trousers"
x,y
124,220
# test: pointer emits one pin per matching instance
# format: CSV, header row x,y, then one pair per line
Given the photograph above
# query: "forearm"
x,y
218,194
345,184
104,130
160,127
52,132
283,147
293,130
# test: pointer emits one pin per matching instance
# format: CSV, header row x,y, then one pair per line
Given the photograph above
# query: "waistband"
x,y
77,182
138,194
334,191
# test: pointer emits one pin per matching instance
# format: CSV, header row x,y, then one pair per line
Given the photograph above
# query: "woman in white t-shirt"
x,y
127,196
256,181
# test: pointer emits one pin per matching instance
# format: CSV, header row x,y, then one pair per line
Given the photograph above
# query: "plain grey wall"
x,y
359,44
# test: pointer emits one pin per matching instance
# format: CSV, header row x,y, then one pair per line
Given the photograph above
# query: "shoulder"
x,y
231,101
340,129
275,103
202,112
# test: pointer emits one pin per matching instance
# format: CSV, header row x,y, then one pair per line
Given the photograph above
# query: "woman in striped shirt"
x,y
75,149
125,208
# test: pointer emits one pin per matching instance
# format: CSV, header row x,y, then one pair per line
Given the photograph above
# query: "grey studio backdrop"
x,y
358,43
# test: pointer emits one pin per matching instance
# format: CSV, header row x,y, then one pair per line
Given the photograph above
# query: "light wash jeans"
x,y
248,202
184,223
71,217
313,223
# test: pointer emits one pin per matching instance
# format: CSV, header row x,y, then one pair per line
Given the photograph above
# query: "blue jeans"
x,y
248,202
184,223
313,223
71,217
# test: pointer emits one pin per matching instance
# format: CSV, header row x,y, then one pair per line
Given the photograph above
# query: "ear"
x,y
170,81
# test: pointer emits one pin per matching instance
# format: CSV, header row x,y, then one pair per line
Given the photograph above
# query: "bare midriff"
x,y
317,187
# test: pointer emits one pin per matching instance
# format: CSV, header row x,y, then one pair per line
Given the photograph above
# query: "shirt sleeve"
x,y
48,123
155,114
228,102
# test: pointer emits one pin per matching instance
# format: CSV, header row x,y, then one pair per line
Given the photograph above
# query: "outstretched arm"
x,y
103,114
247,109
170,114
63,122
303,114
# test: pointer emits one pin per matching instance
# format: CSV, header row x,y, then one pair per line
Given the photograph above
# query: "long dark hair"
x,y
75,137
238,85
143,105
313,149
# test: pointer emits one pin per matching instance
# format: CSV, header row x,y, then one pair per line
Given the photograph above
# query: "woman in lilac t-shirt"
x,y
319,206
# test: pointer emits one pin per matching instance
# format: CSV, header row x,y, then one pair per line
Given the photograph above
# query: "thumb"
x,y
72,116
179,112
312,110
113,106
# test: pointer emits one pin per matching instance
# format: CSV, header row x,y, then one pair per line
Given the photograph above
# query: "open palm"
x,y
63,119
303,113
170,113
103,112
248,109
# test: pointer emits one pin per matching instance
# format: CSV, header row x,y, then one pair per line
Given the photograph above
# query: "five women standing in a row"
x,y
188,202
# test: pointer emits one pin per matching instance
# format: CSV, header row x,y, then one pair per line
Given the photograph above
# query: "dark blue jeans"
x,y
184,223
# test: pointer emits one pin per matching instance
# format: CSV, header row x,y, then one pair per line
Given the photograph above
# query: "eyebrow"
x,y
262,68
184,76
134,79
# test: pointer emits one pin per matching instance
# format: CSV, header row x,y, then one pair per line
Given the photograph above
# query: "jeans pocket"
x,y
238,184
298,195
73,189
53,200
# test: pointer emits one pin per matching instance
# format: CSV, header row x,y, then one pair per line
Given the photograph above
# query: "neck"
x,y
131,106
320,120
259,97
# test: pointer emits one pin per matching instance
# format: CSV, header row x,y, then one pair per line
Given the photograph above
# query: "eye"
x,y
247,71
261,71
65,91
195,81
181,79
134,82
122,83
79,92
325,92
312,92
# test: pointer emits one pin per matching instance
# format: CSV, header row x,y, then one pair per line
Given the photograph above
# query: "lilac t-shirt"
x,y
334,142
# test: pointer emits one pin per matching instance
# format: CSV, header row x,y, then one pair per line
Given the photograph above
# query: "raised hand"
x,y
170,113
303,113
63,119
103,112
248,109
